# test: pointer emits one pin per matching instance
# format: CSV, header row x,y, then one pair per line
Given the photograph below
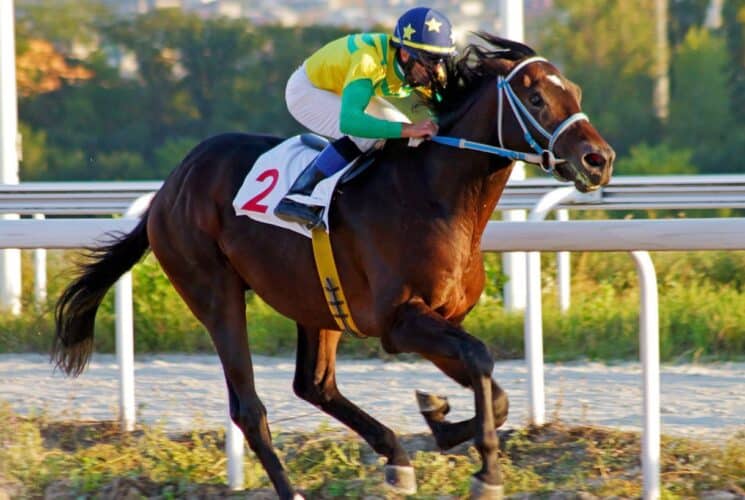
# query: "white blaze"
x,y
556,80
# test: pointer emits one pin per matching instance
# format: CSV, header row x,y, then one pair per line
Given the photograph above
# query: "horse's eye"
x,y
536,100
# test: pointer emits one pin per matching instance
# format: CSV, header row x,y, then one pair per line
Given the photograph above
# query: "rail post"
x,y
533,328
513,263
649,351
234,444
563,268
10,259
124,326
40,273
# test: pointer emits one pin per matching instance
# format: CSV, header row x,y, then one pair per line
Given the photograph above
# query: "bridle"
x,y
520,112
545,157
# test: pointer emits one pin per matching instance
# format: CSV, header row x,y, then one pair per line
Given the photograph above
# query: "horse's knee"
x,y
299,388
251,419
500,405
307,391
313,392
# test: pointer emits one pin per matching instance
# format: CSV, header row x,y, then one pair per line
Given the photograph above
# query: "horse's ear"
x,y
575,89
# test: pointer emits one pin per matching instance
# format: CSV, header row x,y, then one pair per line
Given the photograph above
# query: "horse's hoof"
x,y
430,403
400,479
482,491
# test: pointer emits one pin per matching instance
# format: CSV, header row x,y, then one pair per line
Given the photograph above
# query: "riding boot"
x,y
333,158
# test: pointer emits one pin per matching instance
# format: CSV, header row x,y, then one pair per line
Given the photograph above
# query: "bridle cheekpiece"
x,y
520,112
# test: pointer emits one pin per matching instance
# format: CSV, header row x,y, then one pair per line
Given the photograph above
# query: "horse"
x,y
406,238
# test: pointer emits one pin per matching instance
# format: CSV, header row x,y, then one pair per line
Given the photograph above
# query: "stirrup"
x,y
291,211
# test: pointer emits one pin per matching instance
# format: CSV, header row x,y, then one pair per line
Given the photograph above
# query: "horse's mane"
x,y
468,72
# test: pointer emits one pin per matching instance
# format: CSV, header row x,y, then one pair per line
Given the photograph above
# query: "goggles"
x,y
435,64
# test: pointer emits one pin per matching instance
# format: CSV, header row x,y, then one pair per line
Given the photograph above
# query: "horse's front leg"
x,y
419,329
434,408
315,381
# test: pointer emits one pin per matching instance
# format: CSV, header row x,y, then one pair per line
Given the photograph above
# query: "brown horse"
x,y
405,235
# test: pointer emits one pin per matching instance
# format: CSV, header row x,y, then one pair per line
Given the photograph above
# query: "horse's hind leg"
x,y
215,294
315,381
434,408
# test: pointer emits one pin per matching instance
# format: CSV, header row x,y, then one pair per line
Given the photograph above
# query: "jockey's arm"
x,y
355,122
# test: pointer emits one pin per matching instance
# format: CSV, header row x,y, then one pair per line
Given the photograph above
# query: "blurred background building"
x,y
466,15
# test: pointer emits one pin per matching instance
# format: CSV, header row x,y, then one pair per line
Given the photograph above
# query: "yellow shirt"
x,y
355,57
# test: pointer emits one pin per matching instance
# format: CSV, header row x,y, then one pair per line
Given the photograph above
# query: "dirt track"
x,y
705,401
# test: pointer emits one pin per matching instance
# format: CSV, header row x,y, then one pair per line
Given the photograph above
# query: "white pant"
x,y
319,110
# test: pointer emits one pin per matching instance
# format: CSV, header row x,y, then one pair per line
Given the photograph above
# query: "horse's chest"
x,y
451,288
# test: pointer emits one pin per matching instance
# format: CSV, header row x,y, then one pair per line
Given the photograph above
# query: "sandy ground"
x,y
705,401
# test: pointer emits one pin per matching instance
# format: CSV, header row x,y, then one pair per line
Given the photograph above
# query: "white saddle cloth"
x,y
272,176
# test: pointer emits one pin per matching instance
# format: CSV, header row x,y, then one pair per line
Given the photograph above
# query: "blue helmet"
x,y
424,30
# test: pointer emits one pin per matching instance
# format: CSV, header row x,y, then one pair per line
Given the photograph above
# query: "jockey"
x,y
340,91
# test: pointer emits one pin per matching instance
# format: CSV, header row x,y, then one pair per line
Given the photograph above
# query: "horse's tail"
x,y
75,312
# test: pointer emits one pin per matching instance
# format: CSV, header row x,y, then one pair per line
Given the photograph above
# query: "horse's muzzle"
x,y
592,167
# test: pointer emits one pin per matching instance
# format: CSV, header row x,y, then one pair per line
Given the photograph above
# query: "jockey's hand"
x,y
424,129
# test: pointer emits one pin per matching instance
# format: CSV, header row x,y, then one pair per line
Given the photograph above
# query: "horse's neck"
x,y
475,188
468,181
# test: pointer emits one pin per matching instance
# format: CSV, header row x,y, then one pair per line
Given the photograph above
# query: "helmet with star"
x,y
424,30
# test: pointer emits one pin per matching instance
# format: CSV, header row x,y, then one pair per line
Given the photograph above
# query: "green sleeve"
x,y
355,122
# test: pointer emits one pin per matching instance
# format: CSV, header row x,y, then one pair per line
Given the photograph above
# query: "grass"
x,y
93,460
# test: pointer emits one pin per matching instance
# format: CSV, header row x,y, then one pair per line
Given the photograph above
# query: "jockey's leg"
x,y
333,158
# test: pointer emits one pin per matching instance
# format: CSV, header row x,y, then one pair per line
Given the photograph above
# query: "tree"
x,y
733,15
684,15
193,77
700,112
33,160
608,49
282,50
660,159
81,122
214,55
41,68
150,38
68,24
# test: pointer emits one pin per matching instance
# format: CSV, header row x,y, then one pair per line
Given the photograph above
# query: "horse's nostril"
x,y
594,160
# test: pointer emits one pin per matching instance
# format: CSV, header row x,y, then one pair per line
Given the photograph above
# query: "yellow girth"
x,y
327,273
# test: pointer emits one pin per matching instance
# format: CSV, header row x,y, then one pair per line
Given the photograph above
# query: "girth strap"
x,y
327,273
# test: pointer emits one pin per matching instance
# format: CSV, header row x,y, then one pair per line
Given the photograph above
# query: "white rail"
x,y
60,233
637,193
624,193
549,236
616,235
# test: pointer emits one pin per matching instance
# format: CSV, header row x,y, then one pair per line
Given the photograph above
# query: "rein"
x,y
544,157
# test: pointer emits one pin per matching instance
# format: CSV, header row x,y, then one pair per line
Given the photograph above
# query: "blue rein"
x,y
486,148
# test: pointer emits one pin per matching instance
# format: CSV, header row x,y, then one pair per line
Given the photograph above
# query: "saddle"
x,y
274,172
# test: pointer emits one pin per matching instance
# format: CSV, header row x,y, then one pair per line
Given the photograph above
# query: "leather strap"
x,y
327,273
